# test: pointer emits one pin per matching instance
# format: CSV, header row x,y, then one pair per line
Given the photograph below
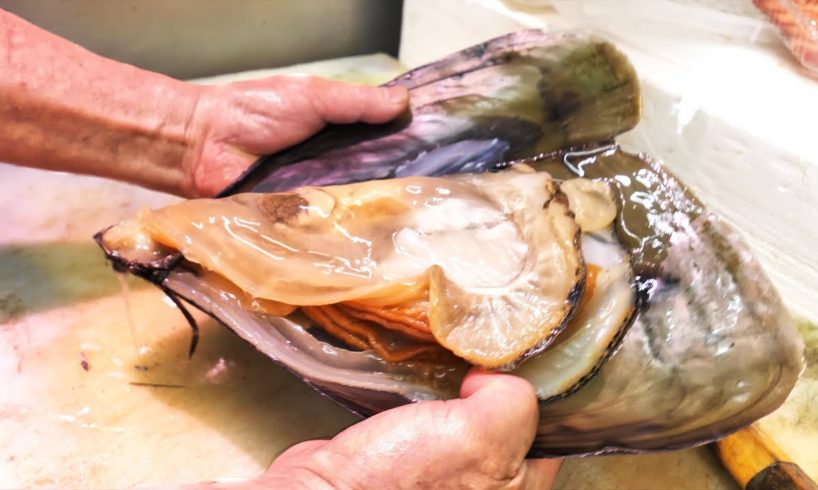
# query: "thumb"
x,y
344,103
506,407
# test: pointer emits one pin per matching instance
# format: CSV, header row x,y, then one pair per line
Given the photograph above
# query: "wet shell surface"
x,y
641,318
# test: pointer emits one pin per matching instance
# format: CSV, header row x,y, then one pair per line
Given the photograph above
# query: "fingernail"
x,y
397,94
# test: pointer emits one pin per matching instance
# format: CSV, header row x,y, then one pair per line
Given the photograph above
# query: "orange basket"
x,y
797,21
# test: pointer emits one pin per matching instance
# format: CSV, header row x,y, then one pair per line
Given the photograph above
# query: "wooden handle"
x,y
782,476
757,463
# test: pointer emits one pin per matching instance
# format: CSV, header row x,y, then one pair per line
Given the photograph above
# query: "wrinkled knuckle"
x,y
314,84
457,416
359,110
504,474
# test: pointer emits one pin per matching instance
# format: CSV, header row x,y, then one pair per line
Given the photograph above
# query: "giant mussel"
x,y
496,224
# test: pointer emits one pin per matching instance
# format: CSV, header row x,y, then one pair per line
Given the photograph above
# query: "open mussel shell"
x,y
512,97
702,345
711,349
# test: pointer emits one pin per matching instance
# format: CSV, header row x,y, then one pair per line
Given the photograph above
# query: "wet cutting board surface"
x,y
89,402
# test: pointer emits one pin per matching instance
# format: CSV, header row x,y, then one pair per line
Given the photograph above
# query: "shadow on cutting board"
x,y
36,277
234,389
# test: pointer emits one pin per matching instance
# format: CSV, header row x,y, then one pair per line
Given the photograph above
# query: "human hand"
x,y
232,125
477,441
91,115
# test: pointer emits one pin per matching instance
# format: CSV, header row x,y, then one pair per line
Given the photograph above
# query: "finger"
x,y
343,103
504,407
540,473
300,450
477,379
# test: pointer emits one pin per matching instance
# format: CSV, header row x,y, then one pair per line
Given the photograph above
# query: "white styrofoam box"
x,y
726,109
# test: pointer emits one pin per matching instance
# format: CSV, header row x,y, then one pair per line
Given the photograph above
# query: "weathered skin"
x,y
495,411
67,109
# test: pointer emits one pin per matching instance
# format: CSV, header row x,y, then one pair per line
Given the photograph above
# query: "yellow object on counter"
x,y
758,463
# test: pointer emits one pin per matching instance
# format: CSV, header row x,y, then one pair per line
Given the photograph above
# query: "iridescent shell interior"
x,y
686,341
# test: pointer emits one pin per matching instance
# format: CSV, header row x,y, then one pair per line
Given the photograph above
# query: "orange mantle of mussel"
x,y
395,332
364,326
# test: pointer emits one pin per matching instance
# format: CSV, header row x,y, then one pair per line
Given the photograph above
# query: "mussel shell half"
x,y
512,97
710,349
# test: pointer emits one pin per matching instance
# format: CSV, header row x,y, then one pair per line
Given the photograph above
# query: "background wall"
x,y
194,38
